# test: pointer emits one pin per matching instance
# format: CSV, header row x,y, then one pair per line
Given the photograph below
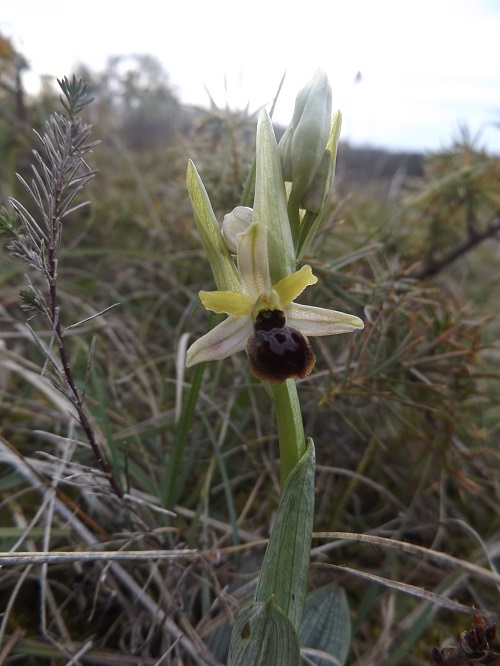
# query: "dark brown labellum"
x,y
278,352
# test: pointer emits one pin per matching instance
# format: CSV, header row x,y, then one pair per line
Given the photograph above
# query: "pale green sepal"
x,y
227,338
326,625
293,285
263,636
314,321
270,201
285,568
223,268
227,302
253,261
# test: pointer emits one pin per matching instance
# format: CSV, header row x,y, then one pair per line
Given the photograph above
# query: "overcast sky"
x,y
427,66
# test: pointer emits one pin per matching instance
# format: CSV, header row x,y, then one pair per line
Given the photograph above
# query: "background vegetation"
x,y
404,415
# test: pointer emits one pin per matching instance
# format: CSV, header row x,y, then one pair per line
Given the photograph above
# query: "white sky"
x,y
427,65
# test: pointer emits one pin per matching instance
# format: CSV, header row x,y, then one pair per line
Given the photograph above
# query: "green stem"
x,y
290,427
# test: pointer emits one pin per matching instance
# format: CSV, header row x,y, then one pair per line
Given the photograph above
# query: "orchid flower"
x,y
258,292
264,319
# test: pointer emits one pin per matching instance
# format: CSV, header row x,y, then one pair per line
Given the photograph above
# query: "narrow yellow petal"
x,y
228,302
293,285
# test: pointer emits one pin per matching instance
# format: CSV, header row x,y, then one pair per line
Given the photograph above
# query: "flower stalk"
x,y
291,437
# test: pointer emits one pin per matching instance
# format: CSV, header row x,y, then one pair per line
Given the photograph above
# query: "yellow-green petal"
x,y
227,302
293,285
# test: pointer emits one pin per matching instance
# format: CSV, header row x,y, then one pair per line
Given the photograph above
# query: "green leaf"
x,y
263,636
326,625
286,563
221,262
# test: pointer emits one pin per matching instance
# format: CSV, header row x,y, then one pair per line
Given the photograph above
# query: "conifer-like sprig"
x,y
75,95
60,173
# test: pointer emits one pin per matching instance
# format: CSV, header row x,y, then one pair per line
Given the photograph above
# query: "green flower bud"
x,y
315,195
235,222
303,144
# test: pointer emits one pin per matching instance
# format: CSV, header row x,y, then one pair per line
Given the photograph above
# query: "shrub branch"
x,y
433,266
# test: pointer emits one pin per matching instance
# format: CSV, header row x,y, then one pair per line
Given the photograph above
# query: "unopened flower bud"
x,y
315,195
303,144
235,222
